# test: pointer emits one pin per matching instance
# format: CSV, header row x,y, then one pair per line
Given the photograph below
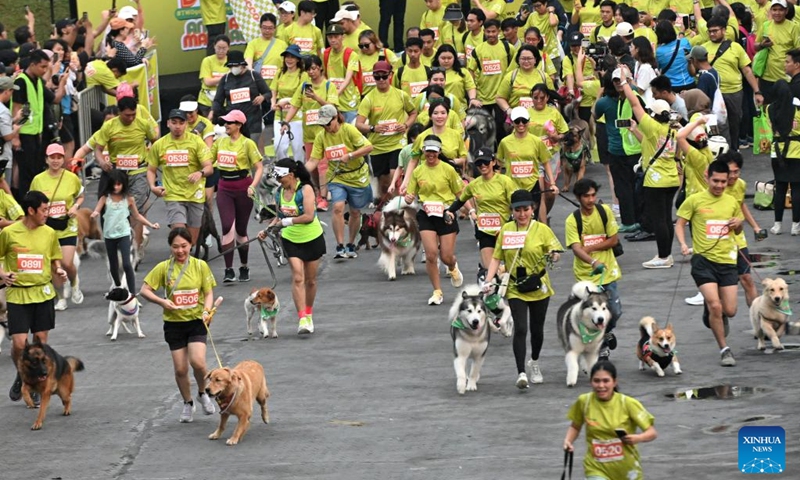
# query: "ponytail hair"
x,y
298,169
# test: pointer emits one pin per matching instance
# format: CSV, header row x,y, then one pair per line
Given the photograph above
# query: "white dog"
x,y
468,328
123,309
582,321
263,303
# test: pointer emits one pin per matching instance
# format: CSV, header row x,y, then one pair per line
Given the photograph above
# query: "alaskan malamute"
x,y
470,333
582,321
398,237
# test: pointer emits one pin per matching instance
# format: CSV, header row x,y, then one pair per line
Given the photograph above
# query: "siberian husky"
x,y
582,321
123,309
470,332
398,237
656,347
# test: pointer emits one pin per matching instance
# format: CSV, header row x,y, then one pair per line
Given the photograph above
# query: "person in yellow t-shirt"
x,y
715,216
31,259
343,74
105,74
185,162
303,32
10,211
286,82
433,19
459,82
263,54
515,89
692,141
412,77
547,123
372,51
212,68
428,37
187,304
65,191
544,18
779,35
345,149
286,18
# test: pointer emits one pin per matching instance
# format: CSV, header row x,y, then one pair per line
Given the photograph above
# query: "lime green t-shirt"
x,y
213,12
29,254
737,191
289,208
589,17
285,84
210,67
488,63
709,216
518,92
62,197
308,37
178,158
458,85
272,63
729,66
606,455
695,165
535,243
681,6
470,43
544,120
663,171
231,155
523,159
647,33
189,294
9,208
437,185
492,201
98,73
335,147
336,71
413,80
351,40
126,143
309,108
452,144
604,34
390,108
785,36
369,61
542,22
208,129
434,19
594,232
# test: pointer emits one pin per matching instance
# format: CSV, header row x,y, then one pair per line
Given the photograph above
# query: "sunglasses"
x,y
364,46
483,163
381,76
520,121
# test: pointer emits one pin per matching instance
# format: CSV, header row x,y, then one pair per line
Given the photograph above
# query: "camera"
x,y
25,115
599,52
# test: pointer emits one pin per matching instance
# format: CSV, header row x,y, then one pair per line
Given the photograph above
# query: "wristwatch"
x,y
372,128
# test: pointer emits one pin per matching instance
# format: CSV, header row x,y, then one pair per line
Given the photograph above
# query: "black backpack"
x,y
617,249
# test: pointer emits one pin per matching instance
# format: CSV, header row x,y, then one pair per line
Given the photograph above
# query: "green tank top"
x,y
36,100
299,233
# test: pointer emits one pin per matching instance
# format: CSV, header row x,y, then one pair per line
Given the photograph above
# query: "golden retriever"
x,y
235,389
770,312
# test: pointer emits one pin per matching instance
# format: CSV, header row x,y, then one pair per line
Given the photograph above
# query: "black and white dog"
x,y
123,309
582,321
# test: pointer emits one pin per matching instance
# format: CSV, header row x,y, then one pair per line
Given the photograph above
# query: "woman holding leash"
x,y
240,168
301,236
525,246
611,420
438,185
187,302
65,191
291,75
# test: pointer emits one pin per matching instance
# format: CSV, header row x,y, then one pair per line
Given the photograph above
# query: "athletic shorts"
x,y
139,189
705,271
31,317
436,224
742,267
357,198
68,241
213,180
384,163
180,334
308,251
484,239
187,213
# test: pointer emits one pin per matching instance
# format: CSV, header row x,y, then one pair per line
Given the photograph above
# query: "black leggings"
x,y
658,205
519,312
780,200
234,208
121,246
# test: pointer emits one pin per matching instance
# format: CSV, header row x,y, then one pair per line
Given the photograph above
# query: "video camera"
x,y
599,53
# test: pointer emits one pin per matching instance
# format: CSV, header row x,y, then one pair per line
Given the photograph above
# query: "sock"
x,y
190,402
723,350
309,311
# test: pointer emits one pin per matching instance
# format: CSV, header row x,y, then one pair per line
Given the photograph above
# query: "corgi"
x,y
656,347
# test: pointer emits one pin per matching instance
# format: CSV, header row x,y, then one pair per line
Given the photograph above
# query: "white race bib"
x,y
526,102
312,116
30,263
305,44
240,95
607,450
57,209
177,158
433,209
514,240
416,88
226,159
522,169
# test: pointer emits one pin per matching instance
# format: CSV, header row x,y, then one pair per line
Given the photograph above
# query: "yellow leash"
x,y
217,303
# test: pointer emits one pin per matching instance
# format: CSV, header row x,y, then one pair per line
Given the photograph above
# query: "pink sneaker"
x,y
322,204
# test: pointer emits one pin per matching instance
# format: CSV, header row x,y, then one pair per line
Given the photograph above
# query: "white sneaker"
x,y
310,324
302,326
456,279
522,381
615,209
697,300
436,298
795,229
77,295
208,405
657,262
186,413
535,372
776,229
61,305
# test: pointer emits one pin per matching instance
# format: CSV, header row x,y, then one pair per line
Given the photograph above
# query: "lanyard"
x,y
170,269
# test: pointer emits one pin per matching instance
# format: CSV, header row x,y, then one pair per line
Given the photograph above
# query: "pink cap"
x,y
235,116
124,90
54,149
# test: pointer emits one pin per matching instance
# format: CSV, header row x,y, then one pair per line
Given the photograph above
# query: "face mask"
x,y
237,70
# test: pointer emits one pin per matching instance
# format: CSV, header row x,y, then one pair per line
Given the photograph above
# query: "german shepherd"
x,y
46,372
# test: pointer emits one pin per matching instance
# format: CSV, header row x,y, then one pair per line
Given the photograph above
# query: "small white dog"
x,y
264,303
123,309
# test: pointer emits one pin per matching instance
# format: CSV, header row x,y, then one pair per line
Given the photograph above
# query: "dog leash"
x,y
568,457
217,303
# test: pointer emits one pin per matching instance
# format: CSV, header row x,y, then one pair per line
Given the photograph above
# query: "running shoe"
x,y
522,381
186,413
535,372
350,251
436,298
456,279
658,262
244,274
16,390
61,305
340,252
726,358
304,326
776,229
230,276
696,301
208,405
77,295
795,229
322,204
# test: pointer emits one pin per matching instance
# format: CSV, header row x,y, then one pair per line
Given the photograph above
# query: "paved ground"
x,y
372,393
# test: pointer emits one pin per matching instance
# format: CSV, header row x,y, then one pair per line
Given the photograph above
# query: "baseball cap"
x,y
521,198
188,106
453,12
177,113
698,52
335,29
54,149
782,3
287,7
483,156
326,114
235,116
65,22
432,145
624,29
344,15
7,83
118,23
659,106
382,66
575,38
520,112
124,89
127,12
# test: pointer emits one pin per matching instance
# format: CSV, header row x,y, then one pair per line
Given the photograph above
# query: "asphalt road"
x,y
371,394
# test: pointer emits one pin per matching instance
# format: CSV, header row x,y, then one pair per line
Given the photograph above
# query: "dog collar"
x,y
456,323
132,311
228,406
267,313
586,335
785,308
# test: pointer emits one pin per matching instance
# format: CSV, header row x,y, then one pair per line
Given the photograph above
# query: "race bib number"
x,y
30,263
526,102
336,153
240,95
607,450
185,299
522,169
289,210
490,222
492,67
177,158
127,162
589,240
368,79
338,82
717,229
416,88
514,240
57,209
226,159
587,29
435,34
433,209
312,116
393,127
468,50
305,44
268,72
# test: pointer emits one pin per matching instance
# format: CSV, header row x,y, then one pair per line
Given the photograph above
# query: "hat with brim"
x,y
188,106
452,13
624,29
521,198
698,53
64,23
781,3
344,15
575,39
335,29
287,7
382,66
235,116
484,156
520,112
294,51
177,113
326,115
127,12
118,23
7,83
54,149
659,106
431,145
235,58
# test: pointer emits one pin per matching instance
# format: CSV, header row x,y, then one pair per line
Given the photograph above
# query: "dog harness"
x,y
404,241
587,336
663,362
132,311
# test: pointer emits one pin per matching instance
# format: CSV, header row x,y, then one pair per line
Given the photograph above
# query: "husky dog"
x,y
123,309
656,347
770,312
480,128
398,237
582,321
265,190
470,332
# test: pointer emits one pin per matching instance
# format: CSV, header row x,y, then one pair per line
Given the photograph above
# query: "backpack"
x,y
718,102
346,58
617,249
400,71
298,200
508,55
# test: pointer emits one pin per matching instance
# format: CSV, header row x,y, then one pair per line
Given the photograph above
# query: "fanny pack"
x,y
528,283
57,223
234,175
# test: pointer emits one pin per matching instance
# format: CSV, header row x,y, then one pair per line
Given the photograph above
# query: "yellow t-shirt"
x,y
309,108
29,254
594,232
695,165
489,68
351,40
272,63
308,37
62,197
208,129
285,84
470,43
98,73
544,120
785,36
492,201
434,19
681,6
189,294
334,147
436,186
452,144
230,155
178,158
542,22
391,108
604,34
523,159
589,17
126,143
663,171
729,66
213,12
517,84
709,216
336,71
9,208
458,85
737,191
536,242
646,33
369,61
413,80
210,67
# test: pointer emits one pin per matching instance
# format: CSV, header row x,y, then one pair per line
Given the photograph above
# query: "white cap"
x,y
782,3
188,106
287,7
519,112
659,106
127,12
344,15
718,145
698,133
616,74
624,29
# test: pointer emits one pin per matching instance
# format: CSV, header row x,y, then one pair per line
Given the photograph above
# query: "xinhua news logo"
x,y
762,450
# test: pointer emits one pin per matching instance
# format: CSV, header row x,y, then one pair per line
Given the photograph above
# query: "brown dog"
x,y
46,372
770,312
656,347
235,389
88,228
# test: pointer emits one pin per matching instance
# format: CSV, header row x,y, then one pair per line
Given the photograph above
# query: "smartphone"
x,y
620,432
85,16
623,123
55,57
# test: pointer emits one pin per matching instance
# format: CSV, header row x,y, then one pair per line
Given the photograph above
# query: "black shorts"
x,y
213,180
484,239
179,334
31,317
384,163
705,271
67,132
437,224
742,265
308,252
68,241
